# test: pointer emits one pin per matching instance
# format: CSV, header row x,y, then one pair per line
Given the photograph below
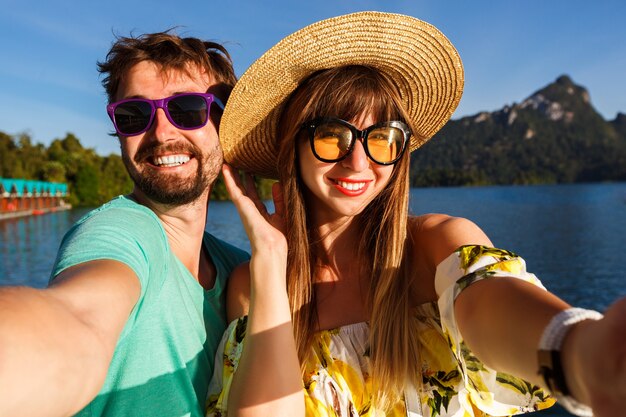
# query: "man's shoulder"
x,y
120,215
119,230
226,252
121,208
119,223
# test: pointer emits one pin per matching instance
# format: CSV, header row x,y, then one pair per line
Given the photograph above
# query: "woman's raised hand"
x,y
265,230
269,333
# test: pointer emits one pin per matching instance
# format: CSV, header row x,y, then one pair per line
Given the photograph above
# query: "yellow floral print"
x,y
454,382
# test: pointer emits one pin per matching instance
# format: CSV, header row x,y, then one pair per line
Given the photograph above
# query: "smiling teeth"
x,y
352,186
171,160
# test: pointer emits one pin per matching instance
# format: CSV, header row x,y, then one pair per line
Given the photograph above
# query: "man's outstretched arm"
x,y
56,343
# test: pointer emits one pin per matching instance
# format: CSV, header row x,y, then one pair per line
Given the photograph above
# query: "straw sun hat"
x,y
419,59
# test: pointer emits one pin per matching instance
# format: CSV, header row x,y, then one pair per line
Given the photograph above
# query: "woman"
x,y
392,314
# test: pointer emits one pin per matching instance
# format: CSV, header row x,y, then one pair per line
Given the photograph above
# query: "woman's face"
x,y
344,188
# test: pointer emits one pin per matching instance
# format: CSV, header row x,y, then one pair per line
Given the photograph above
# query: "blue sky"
x,y
49,84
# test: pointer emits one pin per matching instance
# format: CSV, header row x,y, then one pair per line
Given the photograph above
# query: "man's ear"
x,y
221,91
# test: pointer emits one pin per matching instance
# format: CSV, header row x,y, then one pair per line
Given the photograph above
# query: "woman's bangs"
x,y
352,99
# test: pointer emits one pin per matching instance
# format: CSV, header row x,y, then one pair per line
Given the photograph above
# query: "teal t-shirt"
x,y
164,357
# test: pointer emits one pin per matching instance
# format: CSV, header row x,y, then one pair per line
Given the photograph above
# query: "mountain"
x,y
553,136
619,124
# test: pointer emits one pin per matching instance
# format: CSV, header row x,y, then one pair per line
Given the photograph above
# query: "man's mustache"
x,y
149,151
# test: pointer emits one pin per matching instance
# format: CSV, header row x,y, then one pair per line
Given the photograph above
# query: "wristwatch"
x,y
551,370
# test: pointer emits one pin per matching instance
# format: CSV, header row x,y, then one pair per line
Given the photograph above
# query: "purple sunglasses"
x,y
134,116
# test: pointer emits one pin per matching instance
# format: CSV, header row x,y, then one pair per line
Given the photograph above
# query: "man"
x,y
131,320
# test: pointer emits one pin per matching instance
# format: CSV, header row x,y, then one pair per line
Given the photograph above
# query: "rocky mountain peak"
x,y
619,123
560,100
620,119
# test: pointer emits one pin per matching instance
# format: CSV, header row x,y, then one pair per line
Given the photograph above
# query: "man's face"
x,y
169,165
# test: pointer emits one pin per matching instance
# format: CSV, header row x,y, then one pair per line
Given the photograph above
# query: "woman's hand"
x,y
260,387
594,358
265,230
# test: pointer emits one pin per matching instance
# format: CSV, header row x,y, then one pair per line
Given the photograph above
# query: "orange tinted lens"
x,y
385,143
331,140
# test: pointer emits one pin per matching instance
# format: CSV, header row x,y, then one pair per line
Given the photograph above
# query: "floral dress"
x,y
454,382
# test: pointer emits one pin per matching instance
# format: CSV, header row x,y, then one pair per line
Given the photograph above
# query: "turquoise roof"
x,y
19,187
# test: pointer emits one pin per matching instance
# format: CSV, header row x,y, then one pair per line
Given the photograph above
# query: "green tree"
x,y
86,186
53,171
114,180
8,152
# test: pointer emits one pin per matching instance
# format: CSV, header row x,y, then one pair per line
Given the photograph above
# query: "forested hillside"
x,y
554,136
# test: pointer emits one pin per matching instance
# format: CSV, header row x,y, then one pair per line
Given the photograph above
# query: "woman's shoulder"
x,y
437,235
238,293
435,221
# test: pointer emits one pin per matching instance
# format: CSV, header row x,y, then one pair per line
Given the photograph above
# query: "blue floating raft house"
x,y
19,197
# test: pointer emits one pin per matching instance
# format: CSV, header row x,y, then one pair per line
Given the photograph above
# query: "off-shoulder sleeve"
x,y
226,362
494,393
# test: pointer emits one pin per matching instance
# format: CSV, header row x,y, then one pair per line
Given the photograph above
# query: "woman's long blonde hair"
x,y
348,93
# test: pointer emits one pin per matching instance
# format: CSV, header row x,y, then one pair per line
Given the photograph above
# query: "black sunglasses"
x,y
187,111
333,139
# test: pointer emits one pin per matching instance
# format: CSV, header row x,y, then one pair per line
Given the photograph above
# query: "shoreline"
x,y
32,212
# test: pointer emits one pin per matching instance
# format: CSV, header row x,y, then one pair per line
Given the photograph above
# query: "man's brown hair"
x,y
170,52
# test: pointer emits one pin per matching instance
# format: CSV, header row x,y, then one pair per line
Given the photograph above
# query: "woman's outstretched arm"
x,y
502,321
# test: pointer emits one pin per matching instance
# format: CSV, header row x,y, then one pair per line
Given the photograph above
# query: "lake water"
x,y
571,236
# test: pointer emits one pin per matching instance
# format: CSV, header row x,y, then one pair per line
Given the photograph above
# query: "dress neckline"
x,y
353,327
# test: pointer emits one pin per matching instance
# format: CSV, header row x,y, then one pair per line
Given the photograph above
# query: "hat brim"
x,y
415,55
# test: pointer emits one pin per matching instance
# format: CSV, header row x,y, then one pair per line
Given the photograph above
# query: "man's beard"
x,y
170,189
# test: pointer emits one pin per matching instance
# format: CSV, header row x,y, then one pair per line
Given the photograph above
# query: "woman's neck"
x,y
336,250
340,280
336,240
